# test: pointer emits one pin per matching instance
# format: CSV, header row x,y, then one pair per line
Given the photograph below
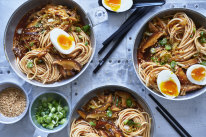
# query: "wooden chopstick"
x,y
170,116
170,122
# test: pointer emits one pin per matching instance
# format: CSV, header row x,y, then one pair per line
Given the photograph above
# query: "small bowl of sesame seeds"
x,y
14,103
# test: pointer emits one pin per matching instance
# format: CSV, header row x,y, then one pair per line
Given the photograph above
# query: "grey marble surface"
x,y
190,113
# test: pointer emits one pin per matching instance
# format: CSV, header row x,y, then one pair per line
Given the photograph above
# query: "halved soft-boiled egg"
x,y
117,5
62,41
197,74
168,84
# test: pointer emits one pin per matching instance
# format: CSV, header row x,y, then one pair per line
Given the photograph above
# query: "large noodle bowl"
x,y
35,53
172,44
112,114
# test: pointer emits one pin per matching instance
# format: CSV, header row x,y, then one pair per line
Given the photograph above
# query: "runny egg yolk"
x,y
113,4
169,88
65,42
198,74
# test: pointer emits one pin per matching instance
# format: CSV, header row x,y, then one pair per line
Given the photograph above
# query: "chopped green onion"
x,y
132,123
163,41
168,47
203,40
53,109
62,121
31,44
47,119
86,28
59,108
203,63
152,50
129,102
194,29
173,64
78,29
202,33
30,64
109,113
117,101
154,59
126,121
86,43
50,126
80,36
92,123
50,113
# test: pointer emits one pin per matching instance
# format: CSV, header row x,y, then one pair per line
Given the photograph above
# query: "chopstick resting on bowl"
x,y
120,34
172,121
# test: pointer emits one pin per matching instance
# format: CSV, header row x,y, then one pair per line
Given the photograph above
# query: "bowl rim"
x,y
135,64
23,114
113,86
62,82
43,93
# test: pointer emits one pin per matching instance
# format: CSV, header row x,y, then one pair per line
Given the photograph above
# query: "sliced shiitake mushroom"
x,y
96,115
152,40
106,105
82,114
124,97
68,65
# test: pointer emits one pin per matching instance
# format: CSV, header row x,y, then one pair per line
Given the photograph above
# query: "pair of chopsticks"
x,y
172,121
118,36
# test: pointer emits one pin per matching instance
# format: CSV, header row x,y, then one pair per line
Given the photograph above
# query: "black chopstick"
x,y
108,40
170,122
118,39
170,116
127,25
101,63
144,3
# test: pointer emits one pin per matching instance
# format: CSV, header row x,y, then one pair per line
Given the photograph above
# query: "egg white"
x,y
53,37
125,5
167,75
189,71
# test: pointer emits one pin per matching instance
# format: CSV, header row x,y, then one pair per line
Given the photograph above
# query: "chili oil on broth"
x,y
35,54
172,42
110,114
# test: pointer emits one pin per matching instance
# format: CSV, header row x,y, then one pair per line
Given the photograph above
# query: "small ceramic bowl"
x,y
41,131
11,120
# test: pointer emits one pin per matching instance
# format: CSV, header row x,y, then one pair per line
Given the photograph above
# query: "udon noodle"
x,y
112,114
171,43
35,53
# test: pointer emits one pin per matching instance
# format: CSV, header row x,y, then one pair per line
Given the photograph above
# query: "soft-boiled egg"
x,y
62,41
168,84
197,74
117,5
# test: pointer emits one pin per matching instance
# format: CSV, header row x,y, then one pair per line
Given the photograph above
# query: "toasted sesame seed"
x,y
12,102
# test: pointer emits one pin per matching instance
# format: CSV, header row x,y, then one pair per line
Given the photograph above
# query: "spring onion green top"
x,y
51,113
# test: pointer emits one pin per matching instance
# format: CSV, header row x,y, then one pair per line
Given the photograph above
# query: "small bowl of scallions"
x,y
49,112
